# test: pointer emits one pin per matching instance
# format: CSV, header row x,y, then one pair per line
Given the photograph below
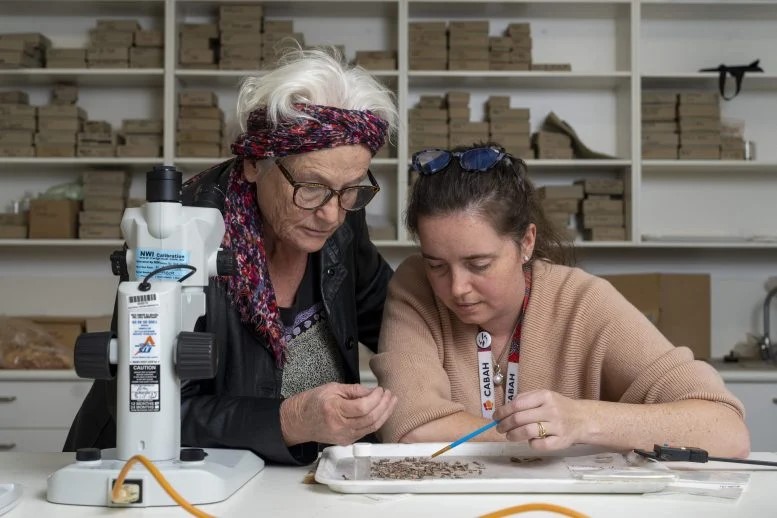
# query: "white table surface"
x,y
279,492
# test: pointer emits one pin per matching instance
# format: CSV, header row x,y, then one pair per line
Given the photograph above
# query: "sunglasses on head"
x,y
479,159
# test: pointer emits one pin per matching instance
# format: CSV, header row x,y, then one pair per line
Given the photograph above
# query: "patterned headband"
x,y
328,127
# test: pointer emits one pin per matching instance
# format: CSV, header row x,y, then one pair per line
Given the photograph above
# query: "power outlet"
x,y
770,283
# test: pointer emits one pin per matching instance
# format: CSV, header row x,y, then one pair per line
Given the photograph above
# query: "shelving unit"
x,y
617,48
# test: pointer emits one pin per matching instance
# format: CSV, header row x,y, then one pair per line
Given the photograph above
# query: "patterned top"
x,y
312,357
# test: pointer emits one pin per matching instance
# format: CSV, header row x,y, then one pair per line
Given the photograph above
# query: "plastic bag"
x,y
25,345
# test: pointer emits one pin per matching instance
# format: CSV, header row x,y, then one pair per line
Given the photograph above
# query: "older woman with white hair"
x,y
310,284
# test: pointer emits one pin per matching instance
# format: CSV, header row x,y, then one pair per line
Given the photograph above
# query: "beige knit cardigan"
x,y
580,338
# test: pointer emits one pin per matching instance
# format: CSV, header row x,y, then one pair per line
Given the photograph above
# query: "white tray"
x,y
551,474
10,495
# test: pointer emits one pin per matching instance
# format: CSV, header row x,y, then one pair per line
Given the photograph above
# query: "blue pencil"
x,y
465,438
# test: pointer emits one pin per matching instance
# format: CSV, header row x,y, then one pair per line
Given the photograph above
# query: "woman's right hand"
x,y
335,413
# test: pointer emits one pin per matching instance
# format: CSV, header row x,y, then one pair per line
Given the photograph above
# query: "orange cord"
x,y
553,508
162,482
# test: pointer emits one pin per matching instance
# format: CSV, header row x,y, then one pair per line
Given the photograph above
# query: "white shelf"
x,y
233,78
212,161
577,164
753,81
69,163
528,79
710,166
124,77
710,244
60,243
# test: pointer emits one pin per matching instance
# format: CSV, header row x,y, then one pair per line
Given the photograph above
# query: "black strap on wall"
x,y
737,72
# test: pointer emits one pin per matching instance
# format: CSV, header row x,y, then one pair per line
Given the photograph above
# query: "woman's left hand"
x,y
548,420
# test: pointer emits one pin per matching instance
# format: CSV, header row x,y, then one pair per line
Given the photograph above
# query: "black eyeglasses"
x,y
479,159
310,196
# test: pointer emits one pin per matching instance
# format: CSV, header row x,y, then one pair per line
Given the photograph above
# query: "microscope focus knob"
x,y
226,263
91,356
195,355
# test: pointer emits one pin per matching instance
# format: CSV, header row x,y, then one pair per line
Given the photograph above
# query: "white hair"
x,y
315,76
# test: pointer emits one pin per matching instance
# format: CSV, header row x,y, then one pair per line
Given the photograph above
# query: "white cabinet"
x,y
37,408
760,400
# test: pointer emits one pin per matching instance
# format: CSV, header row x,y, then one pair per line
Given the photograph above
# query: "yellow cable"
x,y
553,508
115,494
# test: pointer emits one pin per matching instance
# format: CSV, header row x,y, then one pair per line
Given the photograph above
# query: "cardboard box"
x,y
204,98
22,138
53,219
602,185
555,192
605,234
678,305
99,232
595,206
603,220
99,203
17,151
147,38
100,217
14,97
10,231
659,97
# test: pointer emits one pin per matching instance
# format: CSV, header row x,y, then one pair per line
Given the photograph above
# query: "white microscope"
x,y
171,252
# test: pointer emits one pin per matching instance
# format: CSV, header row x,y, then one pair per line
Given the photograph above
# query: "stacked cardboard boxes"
x,y
468,45
278,36
105,194
698,116
60,57
461,130
110,42
520,46
376,59
241,39
96,140
509,127
13,225
428,46
196,45
660,140
140,138
499,53
64,93
200,125
732,142
53,219
428,123
603,210
148,49
58,125
23,50
17,124
561,203
551,145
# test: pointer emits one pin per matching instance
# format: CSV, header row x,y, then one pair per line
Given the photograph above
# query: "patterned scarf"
x,y
251,289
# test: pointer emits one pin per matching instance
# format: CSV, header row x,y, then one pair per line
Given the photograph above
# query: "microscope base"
x,y
211,480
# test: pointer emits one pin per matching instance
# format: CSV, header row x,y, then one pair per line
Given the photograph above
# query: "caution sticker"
x,y
145,357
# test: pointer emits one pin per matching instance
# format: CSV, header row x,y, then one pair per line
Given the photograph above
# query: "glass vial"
x,y
361,461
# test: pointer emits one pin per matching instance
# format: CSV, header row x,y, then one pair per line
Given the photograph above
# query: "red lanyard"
x,y
485,371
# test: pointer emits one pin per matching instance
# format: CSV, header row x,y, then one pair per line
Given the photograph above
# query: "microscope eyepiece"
x,y
163,183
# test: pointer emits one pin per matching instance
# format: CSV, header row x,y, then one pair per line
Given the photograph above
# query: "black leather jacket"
x,y
239,408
